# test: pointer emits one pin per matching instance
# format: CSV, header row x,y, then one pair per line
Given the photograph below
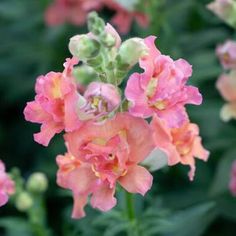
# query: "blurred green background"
x,y
175,206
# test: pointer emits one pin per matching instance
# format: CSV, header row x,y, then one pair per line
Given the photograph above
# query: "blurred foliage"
x,y
174,206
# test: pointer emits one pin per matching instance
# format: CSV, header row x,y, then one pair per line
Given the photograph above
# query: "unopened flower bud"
x,y
24,201
37,183
84,47
108,40
131,50
96,24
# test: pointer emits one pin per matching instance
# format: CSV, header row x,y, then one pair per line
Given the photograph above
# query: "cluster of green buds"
x,y
29,198
102,50
27,192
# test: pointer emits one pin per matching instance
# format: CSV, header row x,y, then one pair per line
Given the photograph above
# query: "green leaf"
x,y
15,226
191,221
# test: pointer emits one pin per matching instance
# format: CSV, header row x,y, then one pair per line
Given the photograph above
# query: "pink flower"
x,y
227,54
226,84
100,100
124,17
102,155
73,11
162,88
232,184
55,104
180,144
7,186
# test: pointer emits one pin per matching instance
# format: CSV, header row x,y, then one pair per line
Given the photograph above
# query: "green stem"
x,y
37,217
133,230
130,206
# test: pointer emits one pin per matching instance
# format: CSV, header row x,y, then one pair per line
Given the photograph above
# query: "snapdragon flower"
x,y
102,155
161,89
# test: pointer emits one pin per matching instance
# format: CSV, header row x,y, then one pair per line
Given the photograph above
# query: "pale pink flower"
x,y
100,100
7,186
226,85
100,155
232,184
72,11
162,88
180,144
227,54
55,104
124,17
228,111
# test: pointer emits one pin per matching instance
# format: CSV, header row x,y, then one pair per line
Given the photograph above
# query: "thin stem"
x,y
130,206
133,230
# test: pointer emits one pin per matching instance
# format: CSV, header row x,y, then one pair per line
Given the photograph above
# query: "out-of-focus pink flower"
x,y
162,88
227,54
102,155
226,85
180,144
228,111
73,11
124,17
100,100
224,9
55,104
232,184
7,186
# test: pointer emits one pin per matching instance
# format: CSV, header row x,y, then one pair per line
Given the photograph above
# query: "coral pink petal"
x,y
185,67
137,180
193,95
174,117
135,94
199,151
103,199
47,132
78,208
33,112
163,140
71,116
81,180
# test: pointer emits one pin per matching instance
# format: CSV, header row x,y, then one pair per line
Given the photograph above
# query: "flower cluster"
x,y
7,186
76,11
108,140
226,83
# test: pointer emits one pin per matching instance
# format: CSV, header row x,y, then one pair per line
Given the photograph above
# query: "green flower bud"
x,y
37,183
108,40
84,46
23,201
96,25
131,50
84,74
